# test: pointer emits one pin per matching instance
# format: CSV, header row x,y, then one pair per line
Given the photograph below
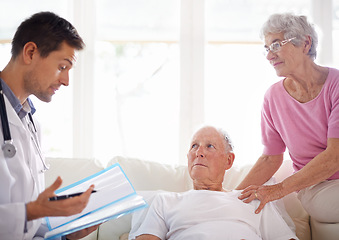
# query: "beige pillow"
x,y
148,176
64,167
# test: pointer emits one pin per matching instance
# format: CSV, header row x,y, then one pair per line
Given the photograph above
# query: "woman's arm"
x,y
323,166
262,171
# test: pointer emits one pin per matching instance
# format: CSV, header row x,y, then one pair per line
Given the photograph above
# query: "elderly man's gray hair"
x,y
229,144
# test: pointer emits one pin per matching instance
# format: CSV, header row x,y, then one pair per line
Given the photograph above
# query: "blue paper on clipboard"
x,y
115,197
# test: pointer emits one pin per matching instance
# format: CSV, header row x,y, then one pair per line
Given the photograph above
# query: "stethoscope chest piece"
x,y
9,149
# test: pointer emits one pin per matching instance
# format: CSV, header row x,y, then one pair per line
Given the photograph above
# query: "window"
x,y
136,90
153,71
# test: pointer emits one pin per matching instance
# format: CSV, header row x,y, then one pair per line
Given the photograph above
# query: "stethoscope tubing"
x,y
34,131
4,118
8,146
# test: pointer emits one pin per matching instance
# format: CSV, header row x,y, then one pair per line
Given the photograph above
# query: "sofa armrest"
x,y
321,231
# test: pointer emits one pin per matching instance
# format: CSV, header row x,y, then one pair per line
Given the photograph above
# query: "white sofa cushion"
x,y
71,169
147,175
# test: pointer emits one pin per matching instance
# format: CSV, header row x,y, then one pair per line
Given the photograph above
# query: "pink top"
x,y
301,127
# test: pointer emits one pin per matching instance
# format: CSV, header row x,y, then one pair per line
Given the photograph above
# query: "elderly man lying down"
x,y
209,211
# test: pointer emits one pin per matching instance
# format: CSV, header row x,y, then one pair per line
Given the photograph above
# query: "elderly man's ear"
x,y
230,159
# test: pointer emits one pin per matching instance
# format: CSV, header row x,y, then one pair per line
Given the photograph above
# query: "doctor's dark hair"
x,y
47,30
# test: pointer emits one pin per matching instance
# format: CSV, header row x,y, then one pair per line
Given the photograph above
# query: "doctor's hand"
x,y
264,194
42,207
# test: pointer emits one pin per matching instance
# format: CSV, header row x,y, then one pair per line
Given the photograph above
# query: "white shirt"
x,y
203,214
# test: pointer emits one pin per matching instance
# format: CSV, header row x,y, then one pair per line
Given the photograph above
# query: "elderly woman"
x,y
300,112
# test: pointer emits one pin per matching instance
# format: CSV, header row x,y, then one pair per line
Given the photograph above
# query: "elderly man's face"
x,y
207,157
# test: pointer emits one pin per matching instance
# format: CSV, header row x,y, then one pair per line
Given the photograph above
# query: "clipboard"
x,y
115,197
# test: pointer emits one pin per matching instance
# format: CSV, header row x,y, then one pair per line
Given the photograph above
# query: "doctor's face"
x,y
46,75
208,158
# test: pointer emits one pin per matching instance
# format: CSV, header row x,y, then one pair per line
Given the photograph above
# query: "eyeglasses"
x,y
276,46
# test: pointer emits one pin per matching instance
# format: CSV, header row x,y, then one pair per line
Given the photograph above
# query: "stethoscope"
x,y
8,147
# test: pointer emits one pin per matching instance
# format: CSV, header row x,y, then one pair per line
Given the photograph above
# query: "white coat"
x,y
21,179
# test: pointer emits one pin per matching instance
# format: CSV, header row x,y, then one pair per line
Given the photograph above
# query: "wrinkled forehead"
x,y
208,134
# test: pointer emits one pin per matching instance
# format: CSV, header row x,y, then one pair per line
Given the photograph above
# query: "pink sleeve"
x,y
333,120
271,139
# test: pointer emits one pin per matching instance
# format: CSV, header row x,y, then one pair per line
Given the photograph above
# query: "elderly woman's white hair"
x,y
292,26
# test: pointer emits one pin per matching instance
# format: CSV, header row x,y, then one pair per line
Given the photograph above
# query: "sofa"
x,y
149,177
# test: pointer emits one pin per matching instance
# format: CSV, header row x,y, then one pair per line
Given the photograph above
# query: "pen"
x,y
61,197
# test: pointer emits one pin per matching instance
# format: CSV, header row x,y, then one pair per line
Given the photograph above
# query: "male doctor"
x,y
43,52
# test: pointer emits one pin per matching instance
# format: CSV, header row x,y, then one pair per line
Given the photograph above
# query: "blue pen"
x,y
61,197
